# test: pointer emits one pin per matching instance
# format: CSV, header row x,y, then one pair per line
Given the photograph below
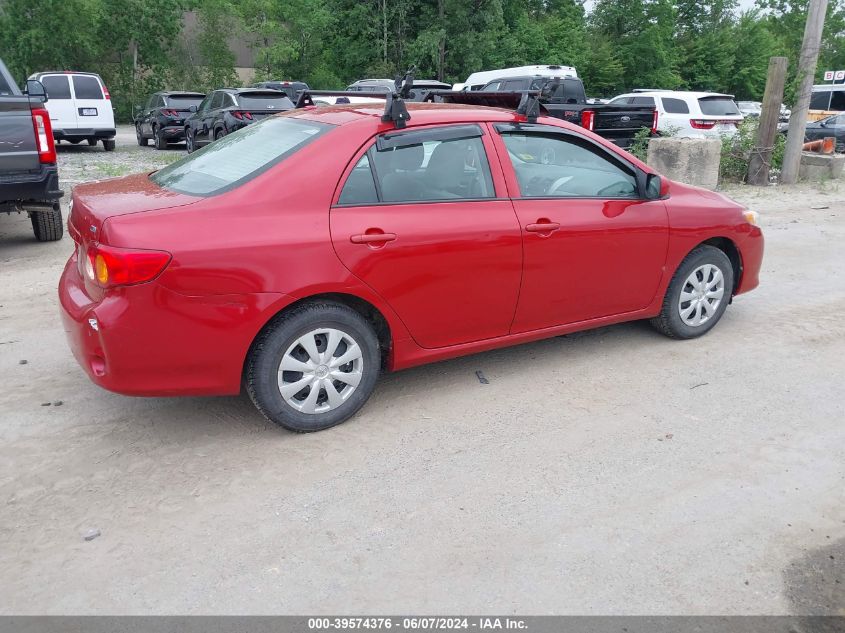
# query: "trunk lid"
x,y
96,202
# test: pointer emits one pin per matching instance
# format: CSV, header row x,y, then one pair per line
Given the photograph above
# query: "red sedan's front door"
x,y
592,248
419,221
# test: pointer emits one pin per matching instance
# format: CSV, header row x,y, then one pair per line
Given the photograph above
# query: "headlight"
x,y
752,217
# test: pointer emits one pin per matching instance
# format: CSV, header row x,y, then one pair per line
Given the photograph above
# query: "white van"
x,y
476,81
80,107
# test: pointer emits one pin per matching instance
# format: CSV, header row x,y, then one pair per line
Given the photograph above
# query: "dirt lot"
x,y
613,471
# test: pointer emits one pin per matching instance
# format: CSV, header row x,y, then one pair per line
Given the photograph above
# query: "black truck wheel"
x,y
47,225
108,144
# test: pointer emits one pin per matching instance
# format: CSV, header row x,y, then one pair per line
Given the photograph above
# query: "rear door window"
x,y
718,106
360,188
239,157
217,100
442,164
86,87
56,86
642,101
675,106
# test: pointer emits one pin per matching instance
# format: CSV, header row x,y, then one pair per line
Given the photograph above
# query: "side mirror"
x,y
193,108
822,123
653,186
35,88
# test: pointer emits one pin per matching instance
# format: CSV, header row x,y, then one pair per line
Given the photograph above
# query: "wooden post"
x,y
761,156
806,73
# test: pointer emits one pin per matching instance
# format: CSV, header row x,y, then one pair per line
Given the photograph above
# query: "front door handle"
x,y
371,237
542,226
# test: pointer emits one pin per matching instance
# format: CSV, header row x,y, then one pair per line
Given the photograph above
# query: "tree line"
x,y
616,45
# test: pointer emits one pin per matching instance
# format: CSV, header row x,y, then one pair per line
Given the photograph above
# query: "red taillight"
x,y
44,136
702,124
106,92
588,119
172,113
654,122
242,116
112,266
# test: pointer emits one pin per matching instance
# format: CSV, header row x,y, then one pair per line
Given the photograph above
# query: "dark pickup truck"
x,y
29,178
565,99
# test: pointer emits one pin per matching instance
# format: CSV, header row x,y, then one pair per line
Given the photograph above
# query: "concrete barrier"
x,y
694,161
818,167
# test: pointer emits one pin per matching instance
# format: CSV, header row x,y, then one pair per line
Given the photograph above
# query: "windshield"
x,y
718,106
183,101
238,157
259,101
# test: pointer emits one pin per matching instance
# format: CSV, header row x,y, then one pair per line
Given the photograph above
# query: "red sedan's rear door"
x,y
592,247
418,219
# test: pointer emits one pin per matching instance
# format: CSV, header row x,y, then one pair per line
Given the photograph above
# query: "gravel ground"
x,y
608,472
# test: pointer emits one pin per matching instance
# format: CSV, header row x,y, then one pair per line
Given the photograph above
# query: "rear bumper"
x,y
81,132
147,340
36,186
173,132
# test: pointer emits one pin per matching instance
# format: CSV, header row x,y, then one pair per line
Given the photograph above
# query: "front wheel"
x,y
190,141
698,294
313,367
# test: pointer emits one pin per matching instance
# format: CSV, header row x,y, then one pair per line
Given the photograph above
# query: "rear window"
x,y
183,101
570,91
642,101
56,86
238,157
85,87
675,106
718,106
261,101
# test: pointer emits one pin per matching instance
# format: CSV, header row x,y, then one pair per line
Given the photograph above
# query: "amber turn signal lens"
x,y
752,217
101,269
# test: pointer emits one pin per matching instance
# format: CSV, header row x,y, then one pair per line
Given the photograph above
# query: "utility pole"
x,y
767,129
806,72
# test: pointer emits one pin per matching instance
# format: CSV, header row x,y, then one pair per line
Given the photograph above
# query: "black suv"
x,y
290,88
162,118
229,109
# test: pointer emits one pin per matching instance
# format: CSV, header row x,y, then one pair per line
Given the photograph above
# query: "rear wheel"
x,y
218,135
92,141
47,225
140,136
189,140
698,294
108,144
313,367
160,141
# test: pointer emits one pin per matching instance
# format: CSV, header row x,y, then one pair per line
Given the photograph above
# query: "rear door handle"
x,y
372,238
542,227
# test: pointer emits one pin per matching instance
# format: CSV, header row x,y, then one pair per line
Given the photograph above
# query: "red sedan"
x,y
305,254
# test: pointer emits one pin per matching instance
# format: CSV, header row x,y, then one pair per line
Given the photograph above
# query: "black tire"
x,y
265,356
218,135
47,225
669,321
75,141
108,144
142,140
160,141
92,141
190,141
